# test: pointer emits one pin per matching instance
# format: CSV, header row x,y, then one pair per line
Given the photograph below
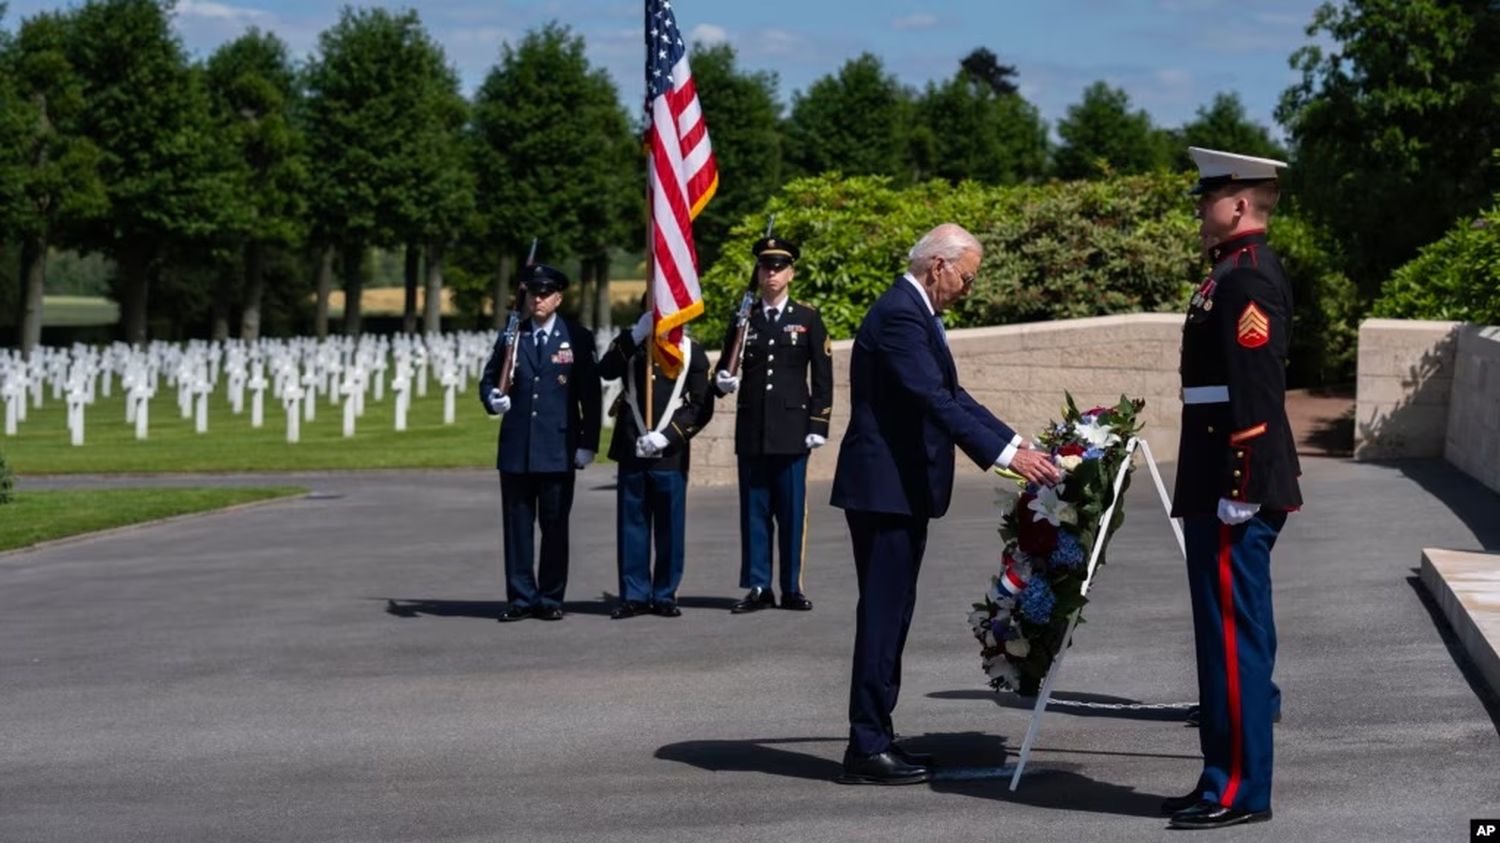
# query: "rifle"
x,y
742,314
513,329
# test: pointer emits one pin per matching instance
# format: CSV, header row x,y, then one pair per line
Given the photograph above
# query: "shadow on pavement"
x,y
967,763
1456,651
1080,705
403,607
1474,503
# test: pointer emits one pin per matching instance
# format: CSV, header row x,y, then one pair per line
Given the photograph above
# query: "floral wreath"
x,y
1048,533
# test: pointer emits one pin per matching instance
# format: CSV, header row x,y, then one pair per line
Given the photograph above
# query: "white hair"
x,y
949,241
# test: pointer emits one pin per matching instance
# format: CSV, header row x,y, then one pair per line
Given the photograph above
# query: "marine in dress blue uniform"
x,y
907,411
785,387
550,431
1237,475
651,493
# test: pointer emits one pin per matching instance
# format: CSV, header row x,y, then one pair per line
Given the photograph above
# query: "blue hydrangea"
x,y
1093,453
1068,553
1036,601
1002,629
1088,418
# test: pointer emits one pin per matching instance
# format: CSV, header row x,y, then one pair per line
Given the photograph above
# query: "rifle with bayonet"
x,y
742,314
513,327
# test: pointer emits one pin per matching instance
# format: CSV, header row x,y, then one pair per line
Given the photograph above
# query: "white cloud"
x,y
219,11
916,20
708,33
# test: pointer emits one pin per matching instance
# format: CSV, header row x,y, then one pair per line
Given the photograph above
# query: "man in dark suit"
x,y
785,387
552,431
895,473
1237,474
651,495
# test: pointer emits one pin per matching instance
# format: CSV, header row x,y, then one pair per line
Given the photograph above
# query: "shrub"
x,y
1326,306
1456,278
7,481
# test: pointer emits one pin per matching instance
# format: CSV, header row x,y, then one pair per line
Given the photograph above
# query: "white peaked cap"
x,y
1216,168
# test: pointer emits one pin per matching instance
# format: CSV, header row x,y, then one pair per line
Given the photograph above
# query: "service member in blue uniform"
x,y
651,493
785,388
550,431
907,411
1236,481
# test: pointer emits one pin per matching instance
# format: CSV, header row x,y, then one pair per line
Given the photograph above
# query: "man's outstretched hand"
x,y
1035,466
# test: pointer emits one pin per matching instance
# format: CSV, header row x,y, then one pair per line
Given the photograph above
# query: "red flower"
x,y
1072,449
1099,410
1035,536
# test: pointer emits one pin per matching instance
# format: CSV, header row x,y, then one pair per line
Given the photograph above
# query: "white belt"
x,y
1205,395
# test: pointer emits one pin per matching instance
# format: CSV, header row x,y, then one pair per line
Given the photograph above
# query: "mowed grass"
x,y
232,445
78,311
33,517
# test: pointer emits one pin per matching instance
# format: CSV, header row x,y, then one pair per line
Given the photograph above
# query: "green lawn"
x,y
33,517
79,311
231,444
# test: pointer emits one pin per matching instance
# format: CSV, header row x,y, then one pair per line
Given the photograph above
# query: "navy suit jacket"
x,y
906,412
555,402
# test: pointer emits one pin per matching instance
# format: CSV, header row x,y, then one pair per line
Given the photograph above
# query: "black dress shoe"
x,y
1207,814
514,613
797,602
1174,804
919,759
549,613
757,599
628,609
666,609
882,768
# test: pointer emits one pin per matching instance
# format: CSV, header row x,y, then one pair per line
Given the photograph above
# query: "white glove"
x,y
814,441
581,458
726,382
499,402
1235,512
641,329
650,445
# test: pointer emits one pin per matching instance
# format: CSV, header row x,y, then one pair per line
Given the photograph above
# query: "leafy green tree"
x,y
552,154
856,122
52,172
1393,125
254,94
370,105
1223,125
147,113
1101,134
1457,277
975,126
743,116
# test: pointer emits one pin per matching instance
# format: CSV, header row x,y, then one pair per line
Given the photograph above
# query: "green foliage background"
x,y
1457,278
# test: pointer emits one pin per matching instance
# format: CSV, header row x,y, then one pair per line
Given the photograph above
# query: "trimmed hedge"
x,y
1055,251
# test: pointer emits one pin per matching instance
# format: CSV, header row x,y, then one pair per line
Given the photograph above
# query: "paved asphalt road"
x,y
242,677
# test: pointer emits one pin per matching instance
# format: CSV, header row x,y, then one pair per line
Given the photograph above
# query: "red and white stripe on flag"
x,y
682,176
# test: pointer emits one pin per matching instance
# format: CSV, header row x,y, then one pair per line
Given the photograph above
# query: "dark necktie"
x,y
771,315
541,342
942,329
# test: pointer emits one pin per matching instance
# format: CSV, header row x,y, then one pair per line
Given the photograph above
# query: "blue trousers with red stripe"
x,y
1229,577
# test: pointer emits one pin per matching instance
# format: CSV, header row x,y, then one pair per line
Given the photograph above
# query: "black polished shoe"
x,y
628,609
757,599
882,768
1174,804
666,609
1207,814
796,602
919,759
549,613
514,613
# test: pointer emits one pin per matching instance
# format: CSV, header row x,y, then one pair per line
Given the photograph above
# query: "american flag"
x,y
681,176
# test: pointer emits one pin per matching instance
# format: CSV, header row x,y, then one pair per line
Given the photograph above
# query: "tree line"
x,y
227,193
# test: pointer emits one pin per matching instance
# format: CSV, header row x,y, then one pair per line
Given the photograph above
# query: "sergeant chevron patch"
x,y
1254,328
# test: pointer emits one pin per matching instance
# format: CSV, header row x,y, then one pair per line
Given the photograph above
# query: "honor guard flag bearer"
x,y
1236,482
681,176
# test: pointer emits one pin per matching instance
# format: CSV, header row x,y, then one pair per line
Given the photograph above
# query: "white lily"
x,y
1097,435
1049,506
1018,647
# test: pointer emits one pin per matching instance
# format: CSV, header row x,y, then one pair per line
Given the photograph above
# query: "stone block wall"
x,y
1473,436
1020,372
1405,384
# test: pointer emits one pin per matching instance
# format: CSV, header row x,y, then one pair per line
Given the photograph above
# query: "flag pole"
x,y
650,347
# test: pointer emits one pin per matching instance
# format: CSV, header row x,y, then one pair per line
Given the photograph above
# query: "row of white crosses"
x,y
347,372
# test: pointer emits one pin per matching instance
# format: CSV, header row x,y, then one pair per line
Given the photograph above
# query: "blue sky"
x,y
1171,56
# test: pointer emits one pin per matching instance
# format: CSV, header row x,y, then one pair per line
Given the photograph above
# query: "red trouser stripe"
x,y
1231,665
